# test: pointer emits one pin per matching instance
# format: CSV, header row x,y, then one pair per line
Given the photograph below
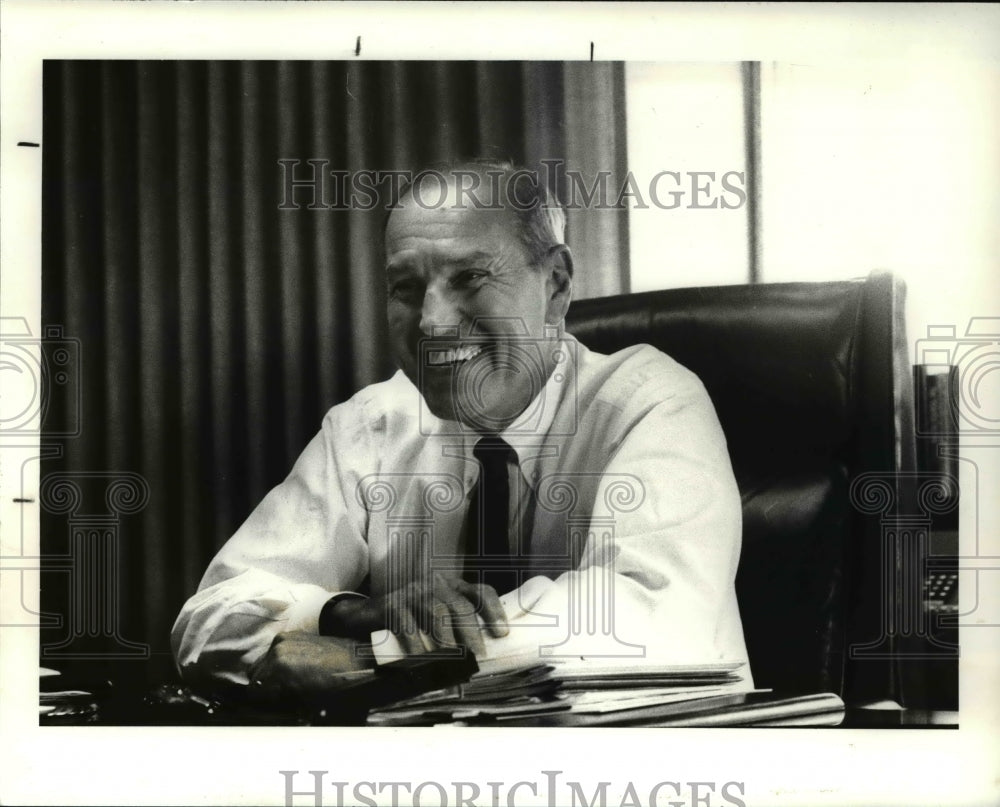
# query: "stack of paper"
x,y
569,692
58,702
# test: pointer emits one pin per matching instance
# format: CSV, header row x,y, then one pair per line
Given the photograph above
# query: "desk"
x,y
127,698
139,714
857,718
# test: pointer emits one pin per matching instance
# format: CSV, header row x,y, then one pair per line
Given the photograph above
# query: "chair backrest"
x,y
811,382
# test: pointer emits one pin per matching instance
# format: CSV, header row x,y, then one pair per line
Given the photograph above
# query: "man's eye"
x,y
406,290
469,277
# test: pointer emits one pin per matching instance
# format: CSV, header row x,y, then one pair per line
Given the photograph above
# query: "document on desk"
x,y
518,683
756,708
563,691
535,629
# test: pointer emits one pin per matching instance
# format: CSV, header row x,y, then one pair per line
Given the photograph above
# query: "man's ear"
x,y
558,283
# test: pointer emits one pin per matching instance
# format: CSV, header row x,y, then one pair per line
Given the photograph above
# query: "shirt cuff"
x,y
327,625
303,614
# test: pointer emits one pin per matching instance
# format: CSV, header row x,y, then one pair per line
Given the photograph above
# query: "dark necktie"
x,y
488,557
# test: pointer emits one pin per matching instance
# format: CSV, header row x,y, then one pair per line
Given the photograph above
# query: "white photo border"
x,y
84,765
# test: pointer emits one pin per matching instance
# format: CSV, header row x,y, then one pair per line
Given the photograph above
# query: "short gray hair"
x,y
540,217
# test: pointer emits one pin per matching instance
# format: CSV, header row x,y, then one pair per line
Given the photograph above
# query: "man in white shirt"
x,y
593,493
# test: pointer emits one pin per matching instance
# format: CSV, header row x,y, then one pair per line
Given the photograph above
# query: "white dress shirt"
x,y
629,515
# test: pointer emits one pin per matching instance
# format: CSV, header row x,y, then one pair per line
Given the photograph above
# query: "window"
x,y
686,119
865,165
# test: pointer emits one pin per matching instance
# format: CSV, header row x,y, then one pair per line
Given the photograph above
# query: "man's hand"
x,y
425,615
302,664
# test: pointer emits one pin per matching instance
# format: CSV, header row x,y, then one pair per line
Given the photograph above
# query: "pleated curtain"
x,y
216,329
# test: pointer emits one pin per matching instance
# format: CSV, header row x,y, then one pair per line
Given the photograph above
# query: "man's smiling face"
x,y
467,310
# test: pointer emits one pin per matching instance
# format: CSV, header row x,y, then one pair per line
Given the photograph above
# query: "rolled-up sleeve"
x,y
303,543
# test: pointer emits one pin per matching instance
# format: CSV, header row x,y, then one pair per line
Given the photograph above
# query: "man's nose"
x,y
439,315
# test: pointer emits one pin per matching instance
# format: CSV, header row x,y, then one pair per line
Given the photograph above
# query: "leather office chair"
x,y
812,385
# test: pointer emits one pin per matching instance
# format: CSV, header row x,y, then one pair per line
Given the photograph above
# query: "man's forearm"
x,y
225,628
